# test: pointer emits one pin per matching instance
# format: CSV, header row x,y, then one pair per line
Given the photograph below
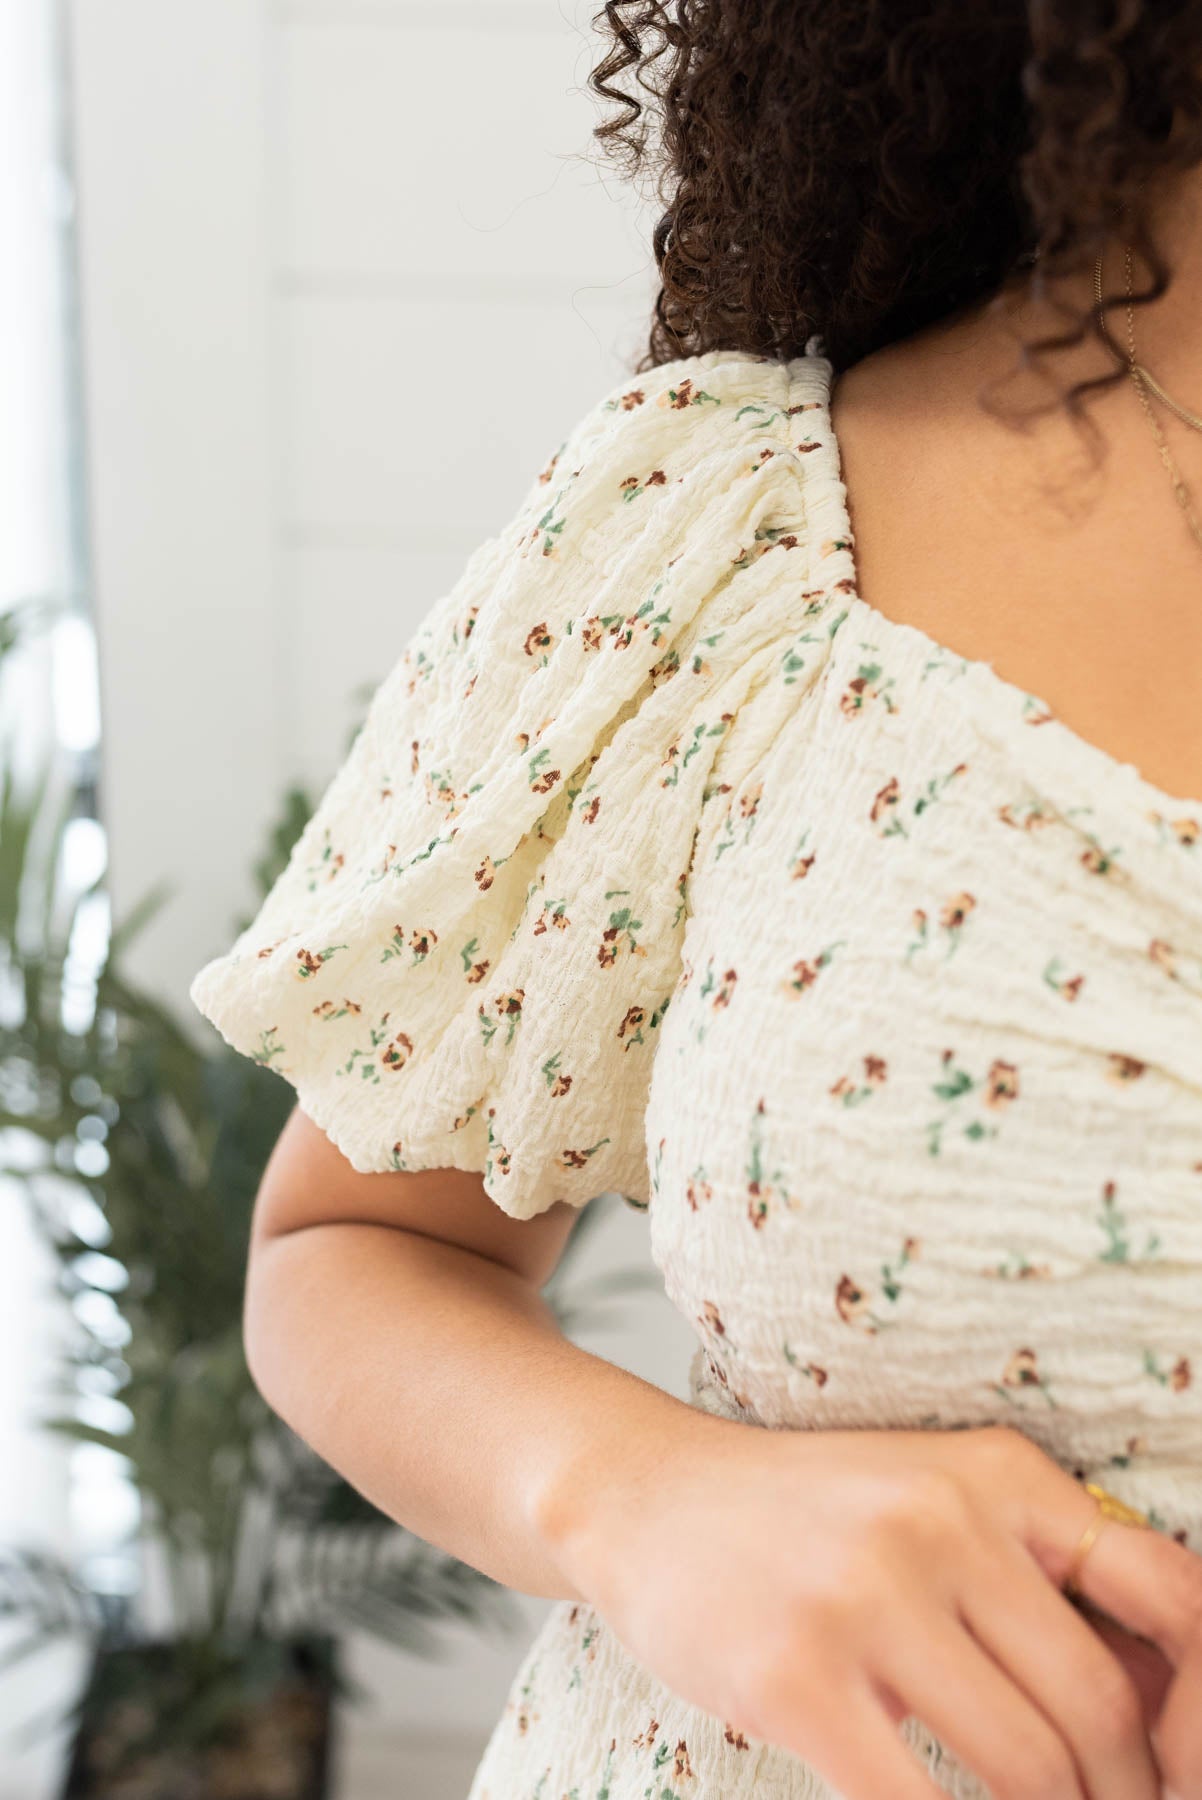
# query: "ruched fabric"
x,y
665,864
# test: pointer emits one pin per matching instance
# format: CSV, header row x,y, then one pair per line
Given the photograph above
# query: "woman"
x,y
784,823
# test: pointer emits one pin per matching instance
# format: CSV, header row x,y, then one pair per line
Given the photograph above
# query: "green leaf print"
x,y
867,685
699,734
541,780
745,805
419,946
1021,1375
603,1792
806,970
799,866
815,1372
622,924
551,527
853,1303
509,1008
953,916
888,805
474,968
945,663
794,662
1097,860
1177,1378
268,1047
996,1090
385,1050
1067,986
634,485
1114,1224
308,965
688,395
1017,1266
764,1190
1186,832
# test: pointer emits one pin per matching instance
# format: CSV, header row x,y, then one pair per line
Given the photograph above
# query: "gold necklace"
x,y
1143,381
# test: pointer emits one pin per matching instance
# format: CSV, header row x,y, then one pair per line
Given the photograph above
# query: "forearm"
x,y
439,1384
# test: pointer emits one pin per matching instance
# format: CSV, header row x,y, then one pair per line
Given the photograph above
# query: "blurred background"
x,y
245,245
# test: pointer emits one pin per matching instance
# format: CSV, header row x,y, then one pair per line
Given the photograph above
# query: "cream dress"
x,y
664,864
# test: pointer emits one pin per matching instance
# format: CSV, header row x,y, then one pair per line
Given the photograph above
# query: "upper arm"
x,y
308,1181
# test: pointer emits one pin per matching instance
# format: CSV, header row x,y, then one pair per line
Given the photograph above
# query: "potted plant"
x,y
140,1152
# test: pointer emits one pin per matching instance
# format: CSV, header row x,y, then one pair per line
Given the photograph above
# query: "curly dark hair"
x,y
862,168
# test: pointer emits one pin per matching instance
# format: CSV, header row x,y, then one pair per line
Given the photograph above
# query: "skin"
x,y
396,1321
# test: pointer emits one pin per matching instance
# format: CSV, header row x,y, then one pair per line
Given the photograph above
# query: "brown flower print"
x,y
1122,1068
1001,1084
1164,956
685,395
724,991
631,1020
1026,815
538,639
698,1190
1097,860
1022,1370
1067,986
397,1052
955,911
866,685
817,1374
762,1187
1022,1373
554,914
806,970
336,1009
633,485
851,1302
884,799
851,1091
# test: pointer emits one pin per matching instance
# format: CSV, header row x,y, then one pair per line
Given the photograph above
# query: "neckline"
x,y
1097,768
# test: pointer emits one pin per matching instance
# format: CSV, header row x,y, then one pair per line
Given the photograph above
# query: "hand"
x,y
815,1588
1148,1667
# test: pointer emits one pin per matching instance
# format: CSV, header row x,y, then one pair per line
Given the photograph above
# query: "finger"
x,y
1140,1576
1066,1669
1178,1737
860,1753
1146,1664
945,1677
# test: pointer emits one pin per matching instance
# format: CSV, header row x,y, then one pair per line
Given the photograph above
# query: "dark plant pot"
x,y
195,1721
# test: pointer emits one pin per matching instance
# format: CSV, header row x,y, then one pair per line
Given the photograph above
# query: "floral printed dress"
x,y
663,864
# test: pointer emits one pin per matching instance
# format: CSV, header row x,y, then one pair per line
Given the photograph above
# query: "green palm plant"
x,y
139,1150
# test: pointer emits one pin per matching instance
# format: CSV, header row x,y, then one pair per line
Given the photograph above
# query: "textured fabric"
x,y
665,864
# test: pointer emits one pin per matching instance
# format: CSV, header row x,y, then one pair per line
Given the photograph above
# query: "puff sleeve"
x,y
467,959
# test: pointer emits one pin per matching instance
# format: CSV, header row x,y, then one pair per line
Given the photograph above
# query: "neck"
x,y
1168,331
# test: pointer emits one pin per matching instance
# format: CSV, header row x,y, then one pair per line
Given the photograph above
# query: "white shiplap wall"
x,y
350,272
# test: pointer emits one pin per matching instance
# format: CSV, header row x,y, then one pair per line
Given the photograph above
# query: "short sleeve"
x,y
468,957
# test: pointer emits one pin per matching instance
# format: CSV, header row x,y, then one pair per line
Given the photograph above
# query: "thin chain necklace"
x,y
1143,381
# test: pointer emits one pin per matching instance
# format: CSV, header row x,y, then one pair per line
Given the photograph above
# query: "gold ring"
x,y
1109,1506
